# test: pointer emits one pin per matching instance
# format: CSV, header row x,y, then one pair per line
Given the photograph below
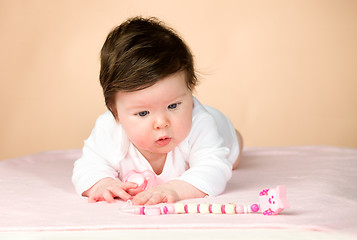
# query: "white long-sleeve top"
x,y
204,158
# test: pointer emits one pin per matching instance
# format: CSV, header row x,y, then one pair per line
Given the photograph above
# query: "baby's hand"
x,y
164,193
108,188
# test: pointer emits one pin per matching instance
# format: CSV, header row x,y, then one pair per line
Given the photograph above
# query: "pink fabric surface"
x,y
37,194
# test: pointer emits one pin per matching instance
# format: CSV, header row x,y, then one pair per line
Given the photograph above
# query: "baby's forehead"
x,y
166,90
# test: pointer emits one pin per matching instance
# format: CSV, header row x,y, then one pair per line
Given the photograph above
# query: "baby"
x,y
154,123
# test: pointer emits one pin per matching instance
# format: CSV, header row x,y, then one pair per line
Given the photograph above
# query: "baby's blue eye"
x,y
172,106
143,113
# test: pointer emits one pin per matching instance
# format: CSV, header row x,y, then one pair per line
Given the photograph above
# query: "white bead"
x,y
230,208
204,208
216,208
179,208
249,208
192,208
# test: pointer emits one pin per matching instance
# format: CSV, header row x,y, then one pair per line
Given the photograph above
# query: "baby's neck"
x,y
158,164
156,160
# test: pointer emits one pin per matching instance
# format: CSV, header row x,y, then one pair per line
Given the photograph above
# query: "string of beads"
x,y
193,208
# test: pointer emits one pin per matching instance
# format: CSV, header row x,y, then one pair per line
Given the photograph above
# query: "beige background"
x,y
283,71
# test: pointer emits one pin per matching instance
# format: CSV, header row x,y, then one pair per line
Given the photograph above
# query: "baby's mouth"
x,y
163,141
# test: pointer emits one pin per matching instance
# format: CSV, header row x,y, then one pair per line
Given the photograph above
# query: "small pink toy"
x,y
271,202
145,180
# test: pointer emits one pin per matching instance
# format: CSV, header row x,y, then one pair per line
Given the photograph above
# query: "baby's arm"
x,y
108,188
95,173
169,192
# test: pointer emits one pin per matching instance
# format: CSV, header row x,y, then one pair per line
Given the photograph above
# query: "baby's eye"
x,y
143,113
173,106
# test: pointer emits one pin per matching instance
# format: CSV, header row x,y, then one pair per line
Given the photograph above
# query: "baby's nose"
x,y
161,122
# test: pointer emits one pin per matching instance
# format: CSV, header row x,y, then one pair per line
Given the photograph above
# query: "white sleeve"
x,y
100,156
209,169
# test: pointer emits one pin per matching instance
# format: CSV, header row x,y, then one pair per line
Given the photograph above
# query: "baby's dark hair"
x,y
140,52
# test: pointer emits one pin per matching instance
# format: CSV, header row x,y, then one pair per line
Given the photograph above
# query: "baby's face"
x,y
158,118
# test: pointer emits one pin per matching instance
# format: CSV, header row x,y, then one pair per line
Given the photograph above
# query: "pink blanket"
x,y
37,194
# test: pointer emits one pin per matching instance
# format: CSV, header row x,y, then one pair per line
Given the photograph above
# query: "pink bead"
x,y
186,208
170,209
153,211
164,210
223,209
239,209
255,208
142,211
210,208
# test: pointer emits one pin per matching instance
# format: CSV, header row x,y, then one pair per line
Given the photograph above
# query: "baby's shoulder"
x,y
107,127
106,120
200,116
109,133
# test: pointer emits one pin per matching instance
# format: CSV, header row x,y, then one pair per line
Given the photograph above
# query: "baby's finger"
x,y
169,199
92,200
156,198
120,193
108,197
134,192
128,185
141,198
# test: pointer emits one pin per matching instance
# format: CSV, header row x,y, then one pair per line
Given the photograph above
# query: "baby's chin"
x,y
164,150
157,149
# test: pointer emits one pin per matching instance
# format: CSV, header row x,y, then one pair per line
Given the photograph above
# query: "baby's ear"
x,y
193,89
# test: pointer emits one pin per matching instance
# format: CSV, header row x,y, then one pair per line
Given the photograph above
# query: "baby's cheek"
x,y
184,128
140,141
138,137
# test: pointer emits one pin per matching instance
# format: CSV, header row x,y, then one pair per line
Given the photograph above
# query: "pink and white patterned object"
x,y
273,201
145,179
